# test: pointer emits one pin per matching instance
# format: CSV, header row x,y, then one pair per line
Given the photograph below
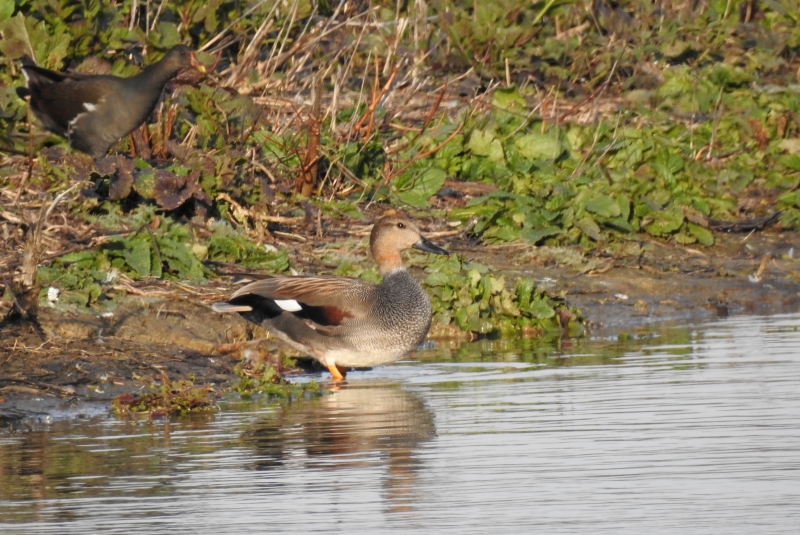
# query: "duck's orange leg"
x,y
337,372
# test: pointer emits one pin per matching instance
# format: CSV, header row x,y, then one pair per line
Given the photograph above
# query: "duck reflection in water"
x,y
357,425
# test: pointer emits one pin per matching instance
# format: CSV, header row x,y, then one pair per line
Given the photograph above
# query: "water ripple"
x,y
694,431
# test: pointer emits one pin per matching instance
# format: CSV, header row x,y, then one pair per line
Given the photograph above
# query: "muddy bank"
x,y
82,358
754,274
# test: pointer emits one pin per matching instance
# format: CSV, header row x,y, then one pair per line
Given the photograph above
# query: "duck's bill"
x,y
424,245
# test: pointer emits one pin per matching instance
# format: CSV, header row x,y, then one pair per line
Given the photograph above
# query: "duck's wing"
x,y
322,301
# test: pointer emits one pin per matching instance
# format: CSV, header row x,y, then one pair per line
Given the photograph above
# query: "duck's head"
x,y
394,233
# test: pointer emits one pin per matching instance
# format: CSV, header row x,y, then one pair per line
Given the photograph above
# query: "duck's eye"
x,y
401,225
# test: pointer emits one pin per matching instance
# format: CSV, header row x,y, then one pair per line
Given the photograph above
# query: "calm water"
x,y
690,431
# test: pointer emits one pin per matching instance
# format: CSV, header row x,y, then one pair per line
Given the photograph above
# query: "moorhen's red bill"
x,y
94,112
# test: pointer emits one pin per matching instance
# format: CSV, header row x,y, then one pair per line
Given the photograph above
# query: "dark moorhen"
x,y
94,112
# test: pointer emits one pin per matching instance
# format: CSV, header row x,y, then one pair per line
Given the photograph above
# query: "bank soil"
x,y
78,359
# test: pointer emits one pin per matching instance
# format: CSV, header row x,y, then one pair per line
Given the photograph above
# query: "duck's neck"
x,y
388,262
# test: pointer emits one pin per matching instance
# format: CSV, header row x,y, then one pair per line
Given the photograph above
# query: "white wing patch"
x,y
289,305
71,124
89,107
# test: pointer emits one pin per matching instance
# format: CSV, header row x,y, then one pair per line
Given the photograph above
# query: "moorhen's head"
x,y
180,57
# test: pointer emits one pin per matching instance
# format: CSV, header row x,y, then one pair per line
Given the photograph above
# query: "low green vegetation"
x,y
468,295
158,247
169,398
182,397
264,380
582,128
592,184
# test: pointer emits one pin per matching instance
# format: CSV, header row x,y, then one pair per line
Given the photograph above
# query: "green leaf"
x,y
791,198
534,236
624,204
145,185
497,284
16,42
137,255
621,223
665,222
78,256
539,146
6,9
231,247
168,34
503,305
742,181
703,235
180,259
94,291
729,75
423,187
792,162
223,248
524,291
701,205
602,205
501,234
539,309
496,152
589,227
437,279
474,277
480,142
684,239
25,36
508,98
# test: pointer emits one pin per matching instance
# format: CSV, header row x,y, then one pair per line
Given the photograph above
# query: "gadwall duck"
x,y
95,111
345,322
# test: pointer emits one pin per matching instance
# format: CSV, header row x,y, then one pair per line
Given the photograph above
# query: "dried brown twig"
x,y
24,289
